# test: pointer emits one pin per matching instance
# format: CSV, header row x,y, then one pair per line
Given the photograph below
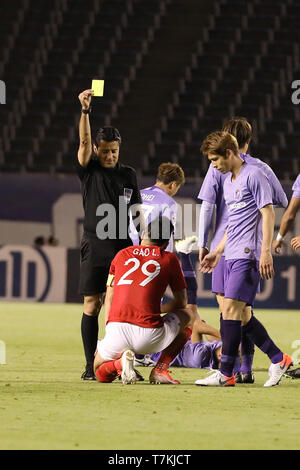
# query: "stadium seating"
x,y
243,63
59,49
245,70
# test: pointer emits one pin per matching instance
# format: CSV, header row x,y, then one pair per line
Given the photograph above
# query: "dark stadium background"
x,y
174,70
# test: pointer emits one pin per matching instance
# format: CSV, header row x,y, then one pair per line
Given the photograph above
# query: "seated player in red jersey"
x,y
137,281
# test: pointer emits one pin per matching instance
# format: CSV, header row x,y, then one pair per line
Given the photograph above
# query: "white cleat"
x,y
187,245
277,370
217,379
128,375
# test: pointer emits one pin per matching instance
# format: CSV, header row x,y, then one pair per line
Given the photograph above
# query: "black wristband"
x,y
86,111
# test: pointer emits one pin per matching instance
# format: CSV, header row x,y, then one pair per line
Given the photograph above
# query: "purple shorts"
x,y
241,280
217,278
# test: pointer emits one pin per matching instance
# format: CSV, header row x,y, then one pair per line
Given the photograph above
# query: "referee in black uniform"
x,y
104,180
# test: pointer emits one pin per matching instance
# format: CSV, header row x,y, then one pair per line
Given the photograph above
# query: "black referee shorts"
x,y
94,267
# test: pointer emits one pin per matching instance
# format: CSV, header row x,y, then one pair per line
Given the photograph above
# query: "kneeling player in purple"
x,y
159,200
211,195
248,257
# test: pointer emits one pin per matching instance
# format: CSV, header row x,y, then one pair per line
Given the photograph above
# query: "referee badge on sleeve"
x,y
127,195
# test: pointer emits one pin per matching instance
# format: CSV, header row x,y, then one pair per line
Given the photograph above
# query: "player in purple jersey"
x,y
288,219
248,257
157,200
211,194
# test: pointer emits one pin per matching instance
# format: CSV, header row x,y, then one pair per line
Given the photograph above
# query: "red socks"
x,y
174,348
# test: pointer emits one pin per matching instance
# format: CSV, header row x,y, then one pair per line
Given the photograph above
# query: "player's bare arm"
x,y
286,223
85,139
266,268
201,328
179,301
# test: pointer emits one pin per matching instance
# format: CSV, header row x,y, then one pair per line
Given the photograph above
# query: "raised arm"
x,y
85,138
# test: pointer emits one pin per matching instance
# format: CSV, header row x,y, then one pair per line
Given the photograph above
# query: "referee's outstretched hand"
x,y
85,98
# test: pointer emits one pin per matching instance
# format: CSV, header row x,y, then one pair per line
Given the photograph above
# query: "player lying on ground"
x,y
138,278
197,353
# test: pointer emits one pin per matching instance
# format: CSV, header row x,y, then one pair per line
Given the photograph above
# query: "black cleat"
x,y
139,377
293,374
88,374
238,378
248,378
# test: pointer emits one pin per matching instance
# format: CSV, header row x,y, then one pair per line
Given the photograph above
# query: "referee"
x,y
104,180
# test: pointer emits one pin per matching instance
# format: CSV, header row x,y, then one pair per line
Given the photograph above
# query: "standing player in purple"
x,y
211,194
248,257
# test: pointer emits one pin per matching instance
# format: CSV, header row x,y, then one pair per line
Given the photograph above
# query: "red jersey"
x,y
141,276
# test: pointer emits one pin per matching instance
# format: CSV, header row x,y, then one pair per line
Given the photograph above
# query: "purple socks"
x,y
231,337
259,335
190,277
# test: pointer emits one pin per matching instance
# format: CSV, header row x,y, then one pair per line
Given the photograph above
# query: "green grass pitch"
x,y
45,405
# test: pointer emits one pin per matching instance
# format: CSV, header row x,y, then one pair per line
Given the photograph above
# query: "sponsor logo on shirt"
x,y
237,205
148,197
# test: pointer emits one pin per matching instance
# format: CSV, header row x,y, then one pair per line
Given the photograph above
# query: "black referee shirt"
x,y
101,185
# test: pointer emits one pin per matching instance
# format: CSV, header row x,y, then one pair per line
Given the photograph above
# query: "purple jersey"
x,y
296,188
244,198
201,355
212,191
157,202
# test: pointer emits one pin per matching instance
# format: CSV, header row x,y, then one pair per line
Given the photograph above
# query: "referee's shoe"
x,y
88,374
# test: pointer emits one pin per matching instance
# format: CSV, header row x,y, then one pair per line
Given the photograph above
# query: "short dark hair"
x,y
240,128
109,134
159,230
169,172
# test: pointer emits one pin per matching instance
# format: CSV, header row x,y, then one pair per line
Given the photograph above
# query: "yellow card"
x,y
98,87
